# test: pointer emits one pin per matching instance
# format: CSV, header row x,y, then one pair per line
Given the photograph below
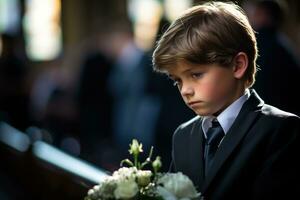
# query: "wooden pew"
x,y
41,171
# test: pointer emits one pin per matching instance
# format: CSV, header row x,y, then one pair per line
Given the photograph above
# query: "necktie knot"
x,y
214,134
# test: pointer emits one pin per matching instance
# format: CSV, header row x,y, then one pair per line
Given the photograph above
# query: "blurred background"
x,y
76,86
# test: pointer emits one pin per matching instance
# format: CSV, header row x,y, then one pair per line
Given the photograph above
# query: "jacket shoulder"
x,y
271,111
188,125
274,118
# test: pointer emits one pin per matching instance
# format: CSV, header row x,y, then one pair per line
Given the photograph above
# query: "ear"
x,y
240,65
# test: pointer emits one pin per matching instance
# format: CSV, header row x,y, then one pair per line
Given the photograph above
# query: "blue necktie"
x,y
214,137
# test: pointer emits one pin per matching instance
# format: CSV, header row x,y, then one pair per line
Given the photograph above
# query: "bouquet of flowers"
x,y
137,184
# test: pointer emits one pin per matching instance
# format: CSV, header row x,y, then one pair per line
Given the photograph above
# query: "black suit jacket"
x,y
257,159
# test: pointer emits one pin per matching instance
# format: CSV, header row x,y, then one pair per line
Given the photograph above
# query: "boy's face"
x,y
206,89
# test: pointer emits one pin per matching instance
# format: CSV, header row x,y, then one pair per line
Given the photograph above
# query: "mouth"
x,y
194,103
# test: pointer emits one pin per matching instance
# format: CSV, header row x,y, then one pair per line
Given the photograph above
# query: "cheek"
x,y
210,89
215,89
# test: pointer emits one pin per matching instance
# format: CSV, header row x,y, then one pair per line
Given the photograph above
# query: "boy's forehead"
x,y
182,67
176,69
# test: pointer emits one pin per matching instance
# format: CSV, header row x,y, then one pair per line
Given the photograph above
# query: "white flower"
x,y
126,189
92,193
104,190
133,182
144,177
165,194
125,172
179,185
125,180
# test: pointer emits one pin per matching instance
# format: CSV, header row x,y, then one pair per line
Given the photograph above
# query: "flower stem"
x,y
136,161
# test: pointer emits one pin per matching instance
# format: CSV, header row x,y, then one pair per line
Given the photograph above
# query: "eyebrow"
x,y
183,72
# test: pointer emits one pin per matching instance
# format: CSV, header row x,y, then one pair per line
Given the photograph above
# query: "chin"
x,y
203,113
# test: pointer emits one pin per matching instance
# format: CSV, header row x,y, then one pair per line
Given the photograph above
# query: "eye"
x,y
197,75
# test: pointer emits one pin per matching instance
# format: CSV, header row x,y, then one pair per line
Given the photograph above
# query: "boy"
x,y
237,147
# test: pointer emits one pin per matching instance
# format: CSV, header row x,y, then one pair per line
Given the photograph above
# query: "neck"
x,y
240,91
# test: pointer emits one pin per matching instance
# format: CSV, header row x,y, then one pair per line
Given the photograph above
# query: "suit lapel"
x,y
234,136
196,153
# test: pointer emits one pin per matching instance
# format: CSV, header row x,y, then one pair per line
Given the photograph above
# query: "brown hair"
x,y
210,33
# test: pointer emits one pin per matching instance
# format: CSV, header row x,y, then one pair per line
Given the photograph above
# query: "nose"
x,y
186,90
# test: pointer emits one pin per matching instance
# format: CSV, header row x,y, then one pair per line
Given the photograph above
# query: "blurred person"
x,y
46,80
134,110
52,101
13,83
94,101
277,60
238,146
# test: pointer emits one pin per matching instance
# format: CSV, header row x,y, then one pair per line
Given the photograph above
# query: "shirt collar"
x,y
227,117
